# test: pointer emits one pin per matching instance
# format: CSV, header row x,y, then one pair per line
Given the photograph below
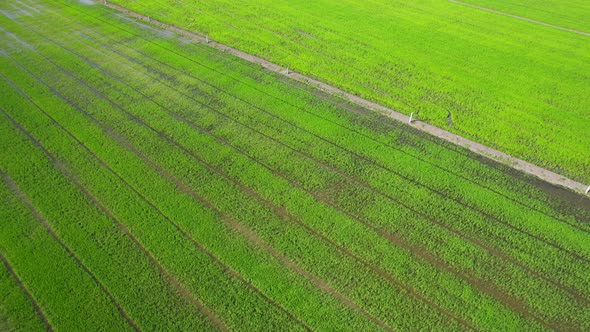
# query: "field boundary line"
x,y
63,169
520,18
478,148
27,293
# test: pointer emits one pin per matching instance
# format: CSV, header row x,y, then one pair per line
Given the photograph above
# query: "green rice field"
x,y
151,183
520,87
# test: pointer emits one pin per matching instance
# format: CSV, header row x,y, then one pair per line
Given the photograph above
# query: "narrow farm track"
x,y
173,281
488,152
24,289
214,258
45,225
215,17
520,18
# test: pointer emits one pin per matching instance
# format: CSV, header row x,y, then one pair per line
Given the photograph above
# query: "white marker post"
x,y
207,39
287,71
588,190
411,117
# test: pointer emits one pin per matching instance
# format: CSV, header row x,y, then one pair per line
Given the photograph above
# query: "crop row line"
x,y
23,287
507,299
317,281
61,166
199,246
14,187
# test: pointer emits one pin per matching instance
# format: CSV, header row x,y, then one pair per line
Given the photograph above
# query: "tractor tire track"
x,y
25,290
317,281
204,250
14,187
179,287
227,269
265,202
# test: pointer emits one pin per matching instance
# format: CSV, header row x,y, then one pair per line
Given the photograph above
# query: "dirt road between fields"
x,y
520,18
488,152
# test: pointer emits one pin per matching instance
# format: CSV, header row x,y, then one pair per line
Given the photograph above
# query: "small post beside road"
x,y
207,39
411,117
587,190
287,71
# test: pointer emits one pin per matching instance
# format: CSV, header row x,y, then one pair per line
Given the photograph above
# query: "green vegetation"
x,y
514,85
151,183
